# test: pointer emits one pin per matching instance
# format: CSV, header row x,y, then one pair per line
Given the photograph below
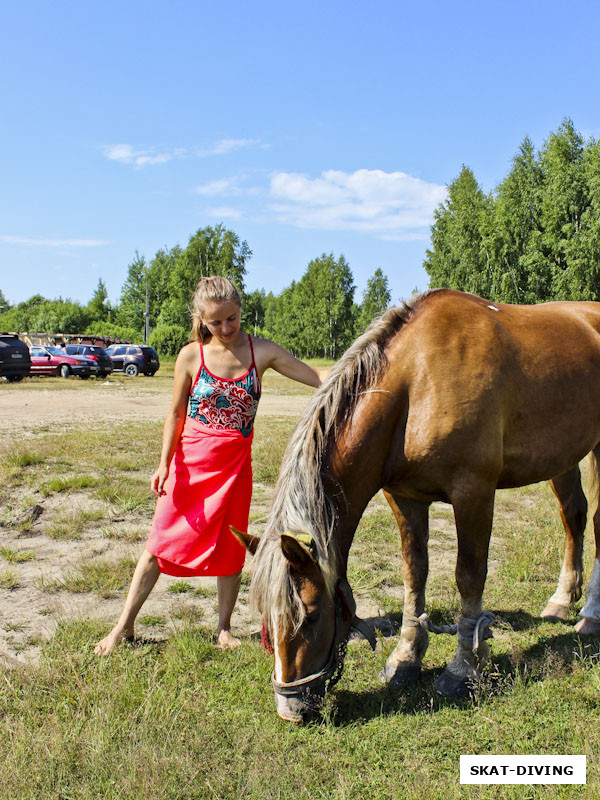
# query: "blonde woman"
x,y
204,479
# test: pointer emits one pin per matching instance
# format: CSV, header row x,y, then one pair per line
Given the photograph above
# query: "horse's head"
x,y
303,647
308,643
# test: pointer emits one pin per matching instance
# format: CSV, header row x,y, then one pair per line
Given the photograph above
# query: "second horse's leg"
x,y
573,511
590,613
404,664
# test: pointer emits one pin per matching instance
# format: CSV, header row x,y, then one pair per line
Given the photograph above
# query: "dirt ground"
x,y
120,400
30,612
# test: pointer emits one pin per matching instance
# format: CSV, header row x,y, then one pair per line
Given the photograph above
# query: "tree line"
x,y
316,316
536,238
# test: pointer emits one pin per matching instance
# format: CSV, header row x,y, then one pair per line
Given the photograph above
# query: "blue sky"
x,y
306,128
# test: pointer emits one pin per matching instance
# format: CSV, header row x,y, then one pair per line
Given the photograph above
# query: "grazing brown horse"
x,y
448,398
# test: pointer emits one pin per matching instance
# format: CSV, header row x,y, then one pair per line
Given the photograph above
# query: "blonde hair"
x,y
213,289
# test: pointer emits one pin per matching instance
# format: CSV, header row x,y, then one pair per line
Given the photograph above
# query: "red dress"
x,y
209,486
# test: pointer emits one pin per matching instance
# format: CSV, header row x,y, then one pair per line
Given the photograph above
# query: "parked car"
x,y
133,358
14,357
96,353
56,361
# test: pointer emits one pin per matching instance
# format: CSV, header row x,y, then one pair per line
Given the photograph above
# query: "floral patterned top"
x,y
226,404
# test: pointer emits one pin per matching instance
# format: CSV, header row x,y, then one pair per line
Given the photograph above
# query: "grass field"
x,y
177,719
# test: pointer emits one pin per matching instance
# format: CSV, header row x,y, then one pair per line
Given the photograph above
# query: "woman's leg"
x,y
228,587
145,576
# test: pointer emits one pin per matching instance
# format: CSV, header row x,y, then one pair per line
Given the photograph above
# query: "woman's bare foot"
x,y
108,644
227,641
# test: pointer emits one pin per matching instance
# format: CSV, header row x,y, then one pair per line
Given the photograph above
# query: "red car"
x,y
56,361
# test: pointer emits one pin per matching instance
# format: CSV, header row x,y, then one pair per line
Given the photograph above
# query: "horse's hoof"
x,y
588,627
555,613
452,685
400,676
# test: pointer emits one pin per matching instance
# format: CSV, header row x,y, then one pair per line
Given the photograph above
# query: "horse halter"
x,y
308,693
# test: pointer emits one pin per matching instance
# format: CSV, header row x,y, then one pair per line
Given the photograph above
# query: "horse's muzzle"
x,y
299,708
301,701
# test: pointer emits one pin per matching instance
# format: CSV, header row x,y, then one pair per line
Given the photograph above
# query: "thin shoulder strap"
x,y
199,368
254,369
253,364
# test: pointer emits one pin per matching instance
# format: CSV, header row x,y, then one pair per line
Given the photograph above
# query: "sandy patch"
x,y
28,410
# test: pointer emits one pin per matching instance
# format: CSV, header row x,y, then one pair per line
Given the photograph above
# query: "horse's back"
x,y
498,389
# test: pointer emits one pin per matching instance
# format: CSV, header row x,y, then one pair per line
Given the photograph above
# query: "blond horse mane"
x,y
301,503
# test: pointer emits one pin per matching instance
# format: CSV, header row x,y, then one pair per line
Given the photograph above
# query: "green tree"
x,y
99,308
114,331
132,305
7,318
253,318
517,218
460,257
27,313
564,200
271,305
37,314
284,320
210,251
4,304
168,339
159,276
376,298
585,259
324,302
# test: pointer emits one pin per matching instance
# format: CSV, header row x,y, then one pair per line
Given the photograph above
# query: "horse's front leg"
x,y
404,664
590,613
473,514
573,511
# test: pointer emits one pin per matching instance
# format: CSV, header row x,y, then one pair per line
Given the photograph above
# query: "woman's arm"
x,y
277,358
175,416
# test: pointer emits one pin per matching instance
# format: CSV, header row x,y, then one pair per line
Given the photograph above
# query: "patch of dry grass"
x,y
8,580
103,577
72,525
16,556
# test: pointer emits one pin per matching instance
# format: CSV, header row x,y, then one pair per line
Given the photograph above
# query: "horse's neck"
x,y
351,489
358,455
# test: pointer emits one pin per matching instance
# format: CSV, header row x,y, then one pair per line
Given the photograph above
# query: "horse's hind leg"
x,y
573,510
474,515
590,613
404,664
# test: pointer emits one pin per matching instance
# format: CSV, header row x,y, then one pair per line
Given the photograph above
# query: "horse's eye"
x,y
311,618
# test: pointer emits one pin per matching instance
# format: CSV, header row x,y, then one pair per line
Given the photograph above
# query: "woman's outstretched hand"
x,y
157,481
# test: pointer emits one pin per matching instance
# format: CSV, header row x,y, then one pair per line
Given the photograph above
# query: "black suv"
x,y
15,361
96,353
133,358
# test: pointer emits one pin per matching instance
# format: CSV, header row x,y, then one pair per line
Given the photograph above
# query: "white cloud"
x,y
61,243
229,145
218,187
225,146
126,154
226,212
391,205
161,158
120,152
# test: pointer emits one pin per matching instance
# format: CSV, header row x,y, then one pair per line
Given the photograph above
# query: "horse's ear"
x,y
249,541
300,550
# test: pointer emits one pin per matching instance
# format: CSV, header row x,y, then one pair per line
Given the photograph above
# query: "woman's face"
x,y
223,320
